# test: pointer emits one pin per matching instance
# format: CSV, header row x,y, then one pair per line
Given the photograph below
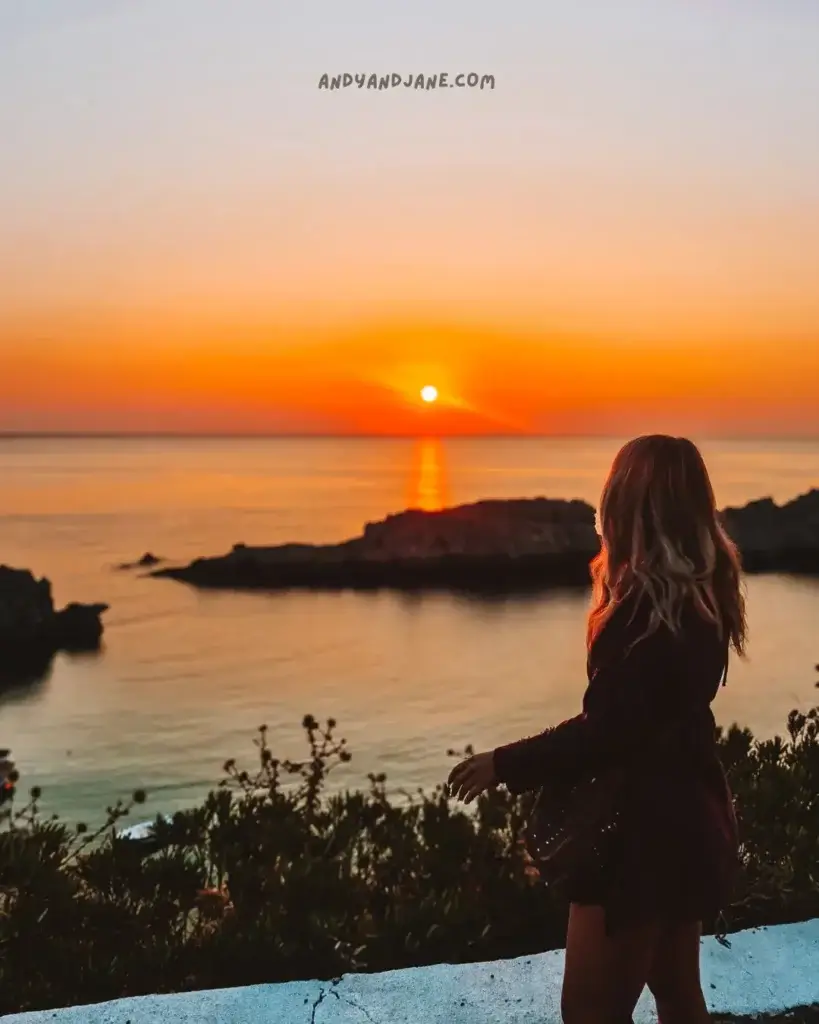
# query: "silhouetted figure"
x,y
667,607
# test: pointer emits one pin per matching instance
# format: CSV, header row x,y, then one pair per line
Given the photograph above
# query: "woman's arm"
x,y
627,699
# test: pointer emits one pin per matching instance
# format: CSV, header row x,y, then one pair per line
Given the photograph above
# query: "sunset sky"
x,y
623,235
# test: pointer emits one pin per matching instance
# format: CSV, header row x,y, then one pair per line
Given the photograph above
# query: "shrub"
x,y
273,879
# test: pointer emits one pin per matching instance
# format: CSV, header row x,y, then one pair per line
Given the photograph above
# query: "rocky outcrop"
x,y
777,538
78,627
522,544
31,627
511,529
491,545
147,561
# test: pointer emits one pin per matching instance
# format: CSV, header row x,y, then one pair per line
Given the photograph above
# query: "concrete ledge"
x,y
766,970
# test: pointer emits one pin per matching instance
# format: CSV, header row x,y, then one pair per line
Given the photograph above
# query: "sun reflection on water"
x,y
428,488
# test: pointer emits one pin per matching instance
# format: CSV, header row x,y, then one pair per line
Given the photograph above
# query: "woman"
x,y
667,606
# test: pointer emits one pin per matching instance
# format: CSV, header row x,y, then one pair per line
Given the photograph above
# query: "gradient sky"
x,y
623,235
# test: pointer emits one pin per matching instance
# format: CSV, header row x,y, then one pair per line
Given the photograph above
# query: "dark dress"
x,y
674,852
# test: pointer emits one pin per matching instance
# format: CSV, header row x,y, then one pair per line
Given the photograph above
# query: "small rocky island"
x,y
491,546
31,628
147,561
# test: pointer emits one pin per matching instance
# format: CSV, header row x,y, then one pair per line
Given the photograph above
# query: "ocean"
x,y
186,677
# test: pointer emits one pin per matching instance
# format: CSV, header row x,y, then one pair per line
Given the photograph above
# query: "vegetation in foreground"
x,y
273,879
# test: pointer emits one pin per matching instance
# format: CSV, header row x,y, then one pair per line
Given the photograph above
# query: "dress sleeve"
x,y
628,698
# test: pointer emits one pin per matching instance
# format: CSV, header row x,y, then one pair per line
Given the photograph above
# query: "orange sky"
x,y
195,238
615,309
368,381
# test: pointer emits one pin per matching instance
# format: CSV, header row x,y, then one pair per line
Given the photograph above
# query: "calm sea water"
x,y
186,677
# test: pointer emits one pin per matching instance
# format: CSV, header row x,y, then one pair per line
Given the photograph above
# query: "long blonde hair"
x,y
662,536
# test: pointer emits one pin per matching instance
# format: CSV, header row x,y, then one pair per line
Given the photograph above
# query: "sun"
x,y
429,393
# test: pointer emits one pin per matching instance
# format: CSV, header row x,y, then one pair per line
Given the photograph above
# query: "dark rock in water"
x,y
490,546
32,630
146,562
78,627
497,546
777,538
26,607
25,669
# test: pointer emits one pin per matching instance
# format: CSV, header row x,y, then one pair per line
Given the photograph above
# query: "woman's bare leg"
x,y
604,976
674,976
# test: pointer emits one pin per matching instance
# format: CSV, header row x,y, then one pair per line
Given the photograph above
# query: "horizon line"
x,y
114,435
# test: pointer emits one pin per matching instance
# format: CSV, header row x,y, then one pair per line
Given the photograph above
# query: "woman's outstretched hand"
x,y
471,777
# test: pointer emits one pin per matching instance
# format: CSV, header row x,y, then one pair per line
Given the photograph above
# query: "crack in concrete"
x,y
316,1005
342,999
357,1006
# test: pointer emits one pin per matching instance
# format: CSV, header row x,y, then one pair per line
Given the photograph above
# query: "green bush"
x,y
272,879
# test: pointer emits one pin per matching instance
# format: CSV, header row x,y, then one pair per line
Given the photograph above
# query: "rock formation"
x,y
498,545
493,545
31,627
147,561
777,538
